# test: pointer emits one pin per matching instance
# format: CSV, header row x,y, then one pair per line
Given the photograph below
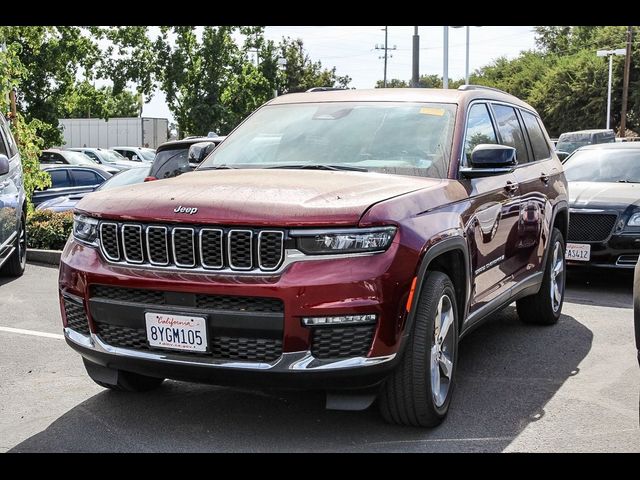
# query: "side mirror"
x,y
562,155
489,159
4,164
199,151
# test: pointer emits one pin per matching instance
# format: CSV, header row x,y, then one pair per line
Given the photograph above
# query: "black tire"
x,y
541,308
15,265
120,380
407,397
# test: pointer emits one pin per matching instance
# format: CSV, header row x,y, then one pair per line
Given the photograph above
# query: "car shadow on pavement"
x,y
601,287
507,373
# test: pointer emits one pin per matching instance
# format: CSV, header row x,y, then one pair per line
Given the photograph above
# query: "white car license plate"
x,y
178,332
580,252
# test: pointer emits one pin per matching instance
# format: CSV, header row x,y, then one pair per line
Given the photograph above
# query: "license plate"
x,y
580,252
178,332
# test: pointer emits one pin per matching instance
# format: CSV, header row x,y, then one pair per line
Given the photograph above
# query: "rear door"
x,y
493,214
61,183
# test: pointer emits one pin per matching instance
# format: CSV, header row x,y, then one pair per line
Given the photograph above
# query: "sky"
x,y
352,51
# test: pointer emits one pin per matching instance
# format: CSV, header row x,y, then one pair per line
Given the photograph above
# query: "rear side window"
x,y
11,147
59,178
479,129
50,158
86,178
171,163
536,136
510,131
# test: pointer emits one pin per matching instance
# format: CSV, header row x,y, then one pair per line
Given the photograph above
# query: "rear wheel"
x,y
419,390
121,380
15,265
545,307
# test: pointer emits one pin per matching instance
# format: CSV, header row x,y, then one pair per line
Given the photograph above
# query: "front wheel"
x,y
15,265
419,390
545,307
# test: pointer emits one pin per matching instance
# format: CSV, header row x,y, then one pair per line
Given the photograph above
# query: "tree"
x,y
425,81
87,101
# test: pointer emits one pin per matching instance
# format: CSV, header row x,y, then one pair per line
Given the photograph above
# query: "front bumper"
x,y
360,285
619,251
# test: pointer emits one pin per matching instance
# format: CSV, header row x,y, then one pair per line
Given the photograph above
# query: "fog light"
x,y
340,320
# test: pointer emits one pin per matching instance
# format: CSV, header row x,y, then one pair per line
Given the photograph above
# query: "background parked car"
x,y
70,180
126,177
570,141
136,154
177,157
13,236
604,198
107,158
56,156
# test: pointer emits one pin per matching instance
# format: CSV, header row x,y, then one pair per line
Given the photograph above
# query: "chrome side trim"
x,y
267,269
9,240
124,243
193,247
166,244
104,252
220,232
293,361
229,249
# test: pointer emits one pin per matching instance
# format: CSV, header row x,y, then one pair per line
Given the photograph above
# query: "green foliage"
x,y
48,230
425,81
86,101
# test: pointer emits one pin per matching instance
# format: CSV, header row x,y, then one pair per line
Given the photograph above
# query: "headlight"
x,y
634,220
85,229
356,240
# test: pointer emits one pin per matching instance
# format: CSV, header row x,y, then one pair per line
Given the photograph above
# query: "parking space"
x,y
571,387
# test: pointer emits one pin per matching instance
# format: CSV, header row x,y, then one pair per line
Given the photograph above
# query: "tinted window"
x,y
3,147
171,163
11,147
536,136
126,153
91,155
85,178
59,178
50,157
510,131
479,129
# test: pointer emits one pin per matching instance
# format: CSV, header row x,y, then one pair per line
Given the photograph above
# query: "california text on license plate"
x,y
580,252
179,332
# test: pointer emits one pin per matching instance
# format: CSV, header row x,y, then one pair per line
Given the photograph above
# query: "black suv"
x,y
181,156
13,207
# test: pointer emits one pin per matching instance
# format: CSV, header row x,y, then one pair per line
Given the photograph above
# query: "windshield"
x,y
77,158
400,138
111,156
147,154
127,177
615,165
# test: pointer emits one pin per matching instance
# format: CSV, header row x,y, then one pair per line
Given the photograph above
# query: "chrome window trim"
x,y
124,245
204,264
271,269
231,265
193,246
166,243
104,252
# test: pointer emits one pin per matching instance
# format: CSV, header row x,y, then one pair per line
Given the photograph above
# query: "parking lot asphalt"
x,y
572,387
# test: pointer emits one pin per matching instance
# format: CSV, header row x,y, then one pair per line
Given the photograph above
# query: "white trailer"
x,y
97,132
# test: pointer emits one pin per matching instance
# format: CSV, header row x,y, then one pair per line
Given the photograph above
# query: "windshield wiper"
x,y
309,166
219,167
625,180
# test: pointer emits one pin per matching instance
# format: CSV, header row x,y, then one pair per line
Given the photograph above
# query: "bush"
x,y
48,230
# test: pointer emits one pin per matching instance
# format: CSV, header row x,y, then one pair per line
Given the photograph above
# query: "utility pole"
x,y
445,66
386,49
415,76
625,87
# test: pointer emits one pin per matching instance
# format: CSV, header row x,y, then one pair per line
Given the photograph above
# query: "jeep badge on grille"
x,y
188,210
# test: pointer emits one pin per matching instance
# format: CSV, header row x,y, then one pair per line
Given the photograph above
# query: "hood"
x,y
126,164
603,194
254,197
61,204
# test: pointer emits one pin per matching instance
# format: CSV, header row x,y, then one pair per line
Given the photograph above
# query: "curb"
x,y
49,257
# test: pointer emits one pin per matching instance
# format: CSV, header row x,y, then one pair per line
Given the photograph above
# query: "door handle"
x,y
544,177
511,187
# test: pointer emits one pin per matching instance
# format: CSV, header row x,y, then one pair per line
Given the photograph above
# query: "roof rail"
x,y
324,89
480,87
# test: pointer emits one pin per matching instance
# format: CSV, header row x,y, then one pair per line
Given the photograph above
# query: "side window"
x,y
479,129
85,178
11,147
510,131
46,158
3,147
536,136
91,155
59,178
126,153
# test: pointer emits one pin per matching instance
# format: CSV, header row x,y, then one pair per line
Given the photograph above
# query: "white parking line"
x,y
32,332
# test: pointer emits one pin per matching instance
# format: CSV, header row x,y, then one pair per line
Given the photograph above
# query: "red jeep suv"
x,y
339,240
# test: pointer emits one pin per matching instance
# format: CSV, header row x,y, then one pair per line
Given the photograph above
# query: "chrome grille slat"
x,y
192,248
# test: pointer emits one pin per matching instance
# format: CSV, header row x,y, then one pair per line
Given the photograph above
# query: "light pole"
x,y
445,66
466,61
610,54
